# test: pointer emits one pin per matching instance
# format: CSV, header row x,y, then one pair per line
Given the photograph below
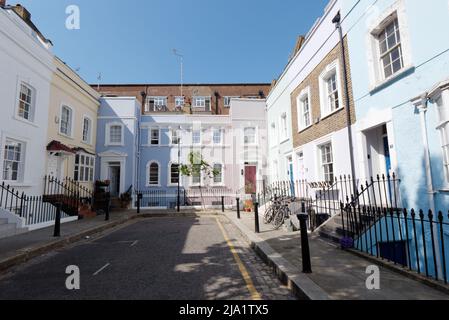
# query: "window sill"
x,y
331,113
114,145
19,184
305,128
153,185
174,185
31,123
87,144
284,141
386,82
65,136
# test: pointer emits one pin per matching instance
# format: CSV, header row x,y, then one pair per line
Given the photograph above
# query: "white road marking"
x,y
134,243
102,268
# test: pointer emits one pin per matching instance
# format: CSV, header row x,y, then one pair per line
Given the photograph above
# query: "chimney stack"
x,y
2,3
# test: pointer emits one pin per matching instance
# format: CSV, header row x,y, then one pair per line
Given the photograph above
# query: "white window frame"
x,y
200,136
178,134
375,27
255,136
441,100
325,105
108,134
227,100
177,99
150,136
21,163
148,184
221,131
32,111
283,126
221,183
158,101
273,135
321,165
169,176
81,167
200,102
196,184
300,103
389,51
89,137
71,117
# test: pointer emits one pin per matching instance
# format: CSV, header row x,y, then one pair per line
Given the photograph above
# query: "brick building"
x,y
191,98
319,120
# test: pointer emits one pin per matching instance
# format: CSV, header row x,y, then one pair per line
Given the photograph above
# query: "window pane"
x,y
174,173
154,136
250,135
154,174
196,136
12,160
218,178
25,99
116,134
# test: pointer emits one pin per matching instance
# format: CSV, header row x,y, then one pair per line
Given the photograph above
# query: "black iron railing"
x,y
188,198
11,199
67,192
33,209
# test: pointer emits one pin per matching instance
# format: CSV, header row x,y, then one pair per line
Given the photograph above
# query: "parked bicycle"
x,y
278,211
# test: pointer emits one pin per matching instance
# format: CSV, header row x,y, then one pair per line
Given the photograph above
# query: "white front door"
x,y
55,166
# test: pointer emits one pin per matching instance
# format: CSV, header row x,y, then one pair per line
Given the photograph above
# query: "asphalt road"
x,y
160,258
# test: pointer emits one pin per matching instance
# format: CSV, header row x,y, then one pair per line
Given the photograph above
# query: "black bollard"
x,y
222,204
256,217
139,198
238,208
57,230
306,263
106,217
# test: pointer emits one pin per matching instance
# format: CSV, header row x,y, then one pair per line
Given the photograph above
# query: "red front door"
x,y
250,179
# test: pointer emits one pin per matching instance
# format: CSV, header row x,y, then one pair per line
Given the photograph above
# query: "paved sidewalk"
x,y
337,274
25,246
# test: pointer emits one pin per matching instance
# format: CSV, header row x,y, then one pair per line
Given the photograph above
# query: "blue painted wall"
x,y
429,51
430,60
125,111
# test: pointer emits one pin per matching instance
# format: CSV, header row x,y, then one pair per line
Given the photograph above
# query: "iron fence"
x,y
187,197
33,209
375,222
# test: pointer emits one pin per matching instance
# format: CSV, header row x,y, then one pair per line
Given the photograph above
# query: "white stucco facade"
x,y
26,65
282,157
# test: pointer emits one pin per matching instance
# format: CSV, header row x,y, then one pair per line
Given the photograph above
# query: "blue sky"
x,y
131,41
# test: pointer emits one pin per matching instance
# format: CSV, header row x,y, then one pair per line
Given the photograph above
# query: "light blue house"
x,y
400,71
117,143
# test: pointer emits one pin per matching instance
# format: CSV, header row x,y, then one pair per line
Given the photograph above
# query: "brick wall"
x,y
172,91
334,122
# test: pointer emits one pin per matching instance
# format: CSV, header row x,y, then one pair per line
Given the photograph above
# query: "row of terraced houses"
x,y
362,101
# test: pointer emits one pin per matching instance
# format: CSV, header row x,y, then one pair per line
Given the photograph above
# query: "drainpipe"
x,y
337,22
144,99
216,101
421,104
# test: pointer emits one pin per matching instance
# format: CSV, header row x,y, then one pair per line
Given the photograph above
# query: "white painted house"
x,y
26,67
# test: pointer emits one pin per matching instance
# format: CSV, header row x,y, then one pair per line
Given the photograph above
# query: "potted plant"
x,y
104,183
248,206
125,200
